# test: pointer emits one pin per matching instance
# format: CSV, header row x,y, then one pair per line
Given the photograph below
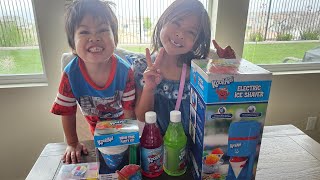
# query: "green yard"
x,y
27,61
275,53
24,61
264,53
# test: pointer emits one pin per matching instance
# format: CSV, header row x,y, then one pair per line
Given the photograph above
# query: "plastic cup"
x,y
113,156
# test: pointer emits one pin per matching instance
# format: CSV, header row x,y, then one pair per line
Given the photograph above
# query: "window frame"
x,y
27,80
293,68
233,33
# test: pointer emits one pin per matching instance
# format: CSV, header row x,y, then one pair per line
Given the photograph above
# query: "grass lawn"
x,y
24,61
275,53
139,49
28,61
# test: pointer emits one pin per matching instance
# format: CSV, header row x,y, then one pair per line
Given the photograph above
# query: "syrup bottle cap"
x,y
151,117
175,116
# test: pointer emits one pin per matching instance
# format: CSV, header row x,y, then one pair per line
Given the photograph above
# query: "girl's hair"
x,y
177,10
99,9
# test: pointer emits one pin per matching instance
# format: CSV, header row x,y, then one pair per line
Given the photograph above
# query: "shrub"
x,y
310,35
146,23
284,37
11,35
256,37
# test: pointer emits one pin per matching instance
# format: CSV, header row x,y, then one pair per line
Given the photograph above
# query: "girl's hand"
x,y
152,75
227,52
73,153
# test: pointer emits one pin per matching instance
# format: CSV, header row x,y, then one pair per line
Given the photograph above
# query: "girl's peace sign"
x,y
152,75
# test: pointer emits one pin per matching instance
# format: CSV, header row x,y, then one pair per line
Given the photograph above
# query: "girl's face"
x,y
179,36
94,41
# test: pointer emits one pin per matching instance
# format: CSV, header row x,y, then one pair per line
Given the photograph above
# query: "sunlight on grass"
x,y
22,61
137,48
27,61
7,64
276,53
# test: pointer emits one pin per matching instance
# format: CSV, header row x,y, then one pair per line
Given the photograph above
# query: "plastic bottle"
x,y
151,147
175,142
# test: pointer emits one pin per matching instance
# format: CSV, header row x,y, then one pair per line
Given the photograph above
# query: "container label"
x,y
152,160
174,159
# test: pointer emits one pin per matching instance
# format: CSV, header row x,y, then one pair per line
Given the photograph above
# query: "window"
x,y
283,35
136,21
20,58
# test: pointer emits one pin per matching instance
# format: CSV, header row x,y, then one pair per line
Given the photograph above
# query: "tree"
x,y
146,23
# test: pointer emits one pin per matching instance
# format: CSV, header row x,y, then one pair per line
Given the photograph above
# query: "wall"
x,y
26,123
293,99
27,126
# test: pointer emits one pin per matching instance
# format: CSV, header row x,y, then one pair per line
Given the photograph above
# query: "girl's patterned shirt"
x,y
165,96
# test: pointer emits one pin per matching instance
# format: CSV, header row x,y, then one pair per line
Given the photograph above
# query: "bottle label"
x,y
174,159
152,160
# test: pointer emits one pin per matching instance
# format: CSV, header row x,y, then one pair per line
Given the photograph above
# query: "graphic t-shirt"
x,y
96,103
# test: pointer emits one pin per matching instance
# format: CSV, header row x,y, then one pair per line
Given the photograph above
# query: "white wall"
x,y
26,123
27,126
293,98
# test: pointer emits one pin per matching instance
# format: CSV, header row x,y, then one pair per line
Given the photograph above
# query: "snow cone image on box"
x,y
227,113
117,148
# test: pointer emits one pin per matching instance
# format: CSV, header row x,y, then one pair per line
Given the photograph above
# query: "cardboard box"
x,y
228,104
117,148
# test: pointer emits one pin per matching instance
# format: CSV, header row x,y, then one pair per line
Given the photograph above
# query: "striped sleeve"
x,y
128,97
65,102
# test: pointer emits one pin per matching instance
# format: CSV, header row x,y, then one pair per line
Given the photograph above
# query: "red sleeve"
x,y
65,102
128,97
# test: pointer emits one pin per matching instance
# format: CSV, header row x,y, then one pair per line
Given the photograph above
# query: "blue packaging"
x,y
117,149
228,104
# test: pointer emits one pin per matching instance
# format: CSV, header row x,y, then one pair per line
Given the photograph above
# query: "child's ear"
x,y
74,52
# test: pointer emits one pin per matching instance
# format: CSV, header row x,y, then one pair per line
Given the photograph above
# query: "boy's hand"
x,y
227,52
73,153
152,75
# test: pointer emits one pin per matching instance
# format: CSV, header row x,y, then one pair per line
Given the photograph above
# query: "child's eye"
x,y
104,30
84,32
192,33
176,23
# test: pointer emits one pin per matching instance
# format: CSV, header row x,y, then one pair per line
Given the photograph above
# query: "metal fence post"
x,y
268,17
140,21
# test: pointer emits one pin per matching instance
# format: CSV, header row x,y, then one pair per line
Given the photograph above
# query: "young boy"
x,y
101,83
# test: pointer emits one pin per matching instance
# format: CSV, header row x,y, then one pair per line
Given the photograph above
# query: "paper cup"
x,y
237,167
113,156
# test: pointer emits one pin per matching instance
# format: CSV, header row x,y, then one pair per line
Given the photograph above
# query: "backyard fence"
x,y
283,20
137,19
267,20
17,25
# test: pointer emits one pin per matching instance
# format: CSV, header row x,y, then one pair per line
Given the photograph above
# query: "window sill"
x,y
296,68
20,85
16,81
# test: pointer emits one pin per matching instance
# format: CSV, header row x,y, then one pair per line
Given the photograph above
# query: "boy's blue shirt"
x,y
80,86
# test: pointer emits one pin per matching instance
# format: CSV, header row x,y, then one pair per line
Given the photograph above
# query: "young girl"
x,y
181,34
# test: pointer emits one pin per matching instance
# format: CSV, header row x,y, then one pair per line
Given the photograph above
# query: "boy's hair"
x,y
98,9
177,10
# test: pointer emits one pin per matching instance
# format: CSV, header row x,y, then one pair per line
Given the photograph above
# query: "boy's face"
x,y
94,41
179,36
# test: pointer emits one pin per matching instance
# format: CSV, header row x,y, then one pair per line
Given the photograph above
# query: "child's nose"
x,y
94,38
179,34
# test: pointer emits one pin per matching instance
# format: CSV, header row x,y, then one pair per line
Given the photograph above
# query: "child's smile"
x,y
95,49
94,40
175,43
178,36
